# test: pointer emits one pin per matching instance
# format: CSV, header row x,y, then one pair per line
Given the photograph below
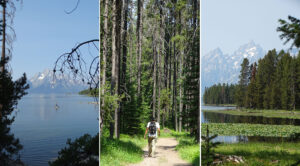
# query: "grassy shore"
x,y
265,113
258,153
261,154
221,105
245,129
88,92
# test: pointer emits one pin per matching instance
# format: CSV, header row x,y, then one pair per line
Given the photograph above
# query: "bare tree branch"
x,y
73,8
74,62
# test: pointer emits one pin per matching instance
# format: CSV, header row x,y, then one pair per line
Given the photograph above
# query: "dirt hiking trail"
x,y
165,154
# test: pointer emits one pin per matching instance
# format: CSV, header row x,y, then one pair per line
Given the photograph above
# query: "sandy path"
x,y
165,154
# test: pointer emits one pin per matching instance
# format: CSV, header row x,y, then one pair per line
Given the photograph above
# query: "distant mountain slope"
x,y
43,82
218,67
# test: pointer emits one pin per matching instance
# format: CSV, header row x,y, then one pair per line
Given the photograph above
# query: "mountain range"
x,y
44,82
218,67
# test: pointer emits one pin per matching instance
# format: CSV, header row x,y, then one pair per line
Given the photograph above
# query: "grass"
x,y
265,113
224,105
120,152
188,149
129,149
244,129
256,154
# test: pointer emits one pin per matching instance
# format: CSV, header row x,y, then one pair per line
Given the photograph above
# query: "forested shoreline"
x,y
273,83
149,65
219,94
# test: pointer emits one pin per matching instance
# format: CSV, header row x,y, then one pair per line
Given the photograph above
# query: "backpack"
x,y
152,128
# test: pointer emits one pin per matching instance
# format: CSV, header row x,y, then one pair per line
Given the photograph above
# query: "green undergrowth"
x,y
128,149
244,129
261,154
120,152
265,113
188,149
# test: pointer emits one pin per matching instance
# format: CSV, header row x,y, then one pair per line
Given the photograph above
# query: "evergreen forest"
x,y
272,83
149,65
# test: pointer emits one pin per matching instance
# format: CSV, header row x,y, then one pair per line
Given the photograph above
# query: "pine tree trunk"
x,y
174,75
163,119
113,61
2,67
3,34
154,78
118,64
180,76
160,55
104,48
124,57
175,89
139,46
158,84
180,93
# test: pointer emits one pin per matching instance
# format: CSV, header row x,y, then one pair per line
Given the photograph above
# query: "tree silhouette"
x,y
290,31
10,93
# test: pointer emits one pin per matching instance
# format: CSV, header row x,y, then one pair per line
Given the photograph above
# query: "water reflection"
x,y
43,131
213,117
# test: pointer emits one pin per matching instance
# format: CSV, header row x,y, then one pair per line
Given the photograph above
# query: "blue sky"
x,y
228,24
44,31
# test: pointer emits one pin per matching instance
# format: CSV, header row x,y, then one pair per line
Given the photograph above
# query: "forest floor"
x,y
165,154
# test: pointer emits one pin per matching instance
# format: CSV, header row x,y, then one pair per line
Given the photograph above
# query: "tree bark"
x,y
2,67
154,77
175,88
3,34
104,49
174,74
160,55
124,57
158,83
139,45
118,64
181,79
116,10
180,92
113,61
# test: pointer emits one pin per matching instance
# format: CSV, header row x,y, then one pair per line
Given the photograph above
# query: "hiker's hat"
x,y
152,119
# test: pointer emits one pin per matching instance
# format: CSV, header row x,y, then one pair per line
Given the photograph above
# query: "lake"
x,y
43,130
213,117
218,117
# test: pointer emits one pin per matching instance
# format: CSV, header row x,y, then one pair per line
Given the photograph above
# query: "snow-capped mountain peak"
x,y
46,82
224,68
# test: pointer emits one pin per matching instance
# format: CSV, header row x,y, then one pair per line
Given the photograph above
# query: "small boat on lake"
x,y
56,107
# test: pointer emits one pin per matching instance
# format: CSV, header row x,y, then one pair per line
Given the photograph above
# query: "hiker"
x,y
152,136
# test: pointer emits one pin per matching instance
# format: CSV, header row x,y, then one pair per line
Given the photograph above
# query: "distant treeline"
x,y
273,83
90,92
219,94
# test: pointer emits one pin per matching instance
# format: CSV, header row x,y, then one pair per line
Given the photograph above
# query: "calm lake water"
x,y
212,117
43,130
